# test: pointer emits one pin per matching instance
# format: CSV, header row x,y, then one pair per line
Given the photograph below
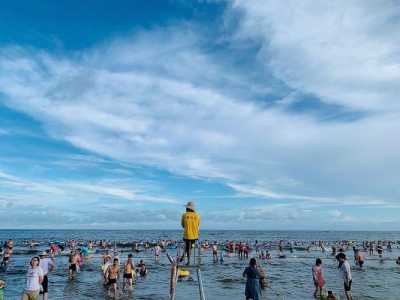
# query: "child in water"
x,y
318,277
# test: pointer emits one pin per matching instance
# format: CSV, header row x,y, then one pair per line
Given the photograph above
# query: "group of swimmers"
x,y
112,270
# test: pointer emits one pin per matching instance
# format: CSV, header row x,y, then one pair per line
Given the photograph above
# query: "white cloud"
x,y
165,107
345,52
47,192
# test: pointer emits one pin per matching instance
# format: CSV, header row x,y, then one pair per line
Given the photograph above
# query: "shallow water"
x,y
288,278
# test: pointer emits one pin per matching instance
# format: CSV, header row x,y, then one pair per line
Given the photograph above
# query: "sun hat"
x,y
190,205
44,253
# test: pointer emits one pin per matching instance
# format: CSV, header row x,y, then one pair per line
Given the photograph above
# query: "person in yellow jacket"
x,y
190,223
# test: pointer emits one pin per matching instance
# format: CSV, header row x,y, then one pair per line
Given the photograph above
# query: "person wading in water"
x,y
190,222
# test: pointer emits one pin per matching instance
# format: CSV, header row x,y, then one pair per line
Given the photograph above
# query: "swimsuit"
x,y
72,267
112,280
128,275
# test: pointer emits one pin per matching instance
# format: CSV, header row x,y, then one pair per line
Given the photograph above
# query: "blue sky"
x,y
267,114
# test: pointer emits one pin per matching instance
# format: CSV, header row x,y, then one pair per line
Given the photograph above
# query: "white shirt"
x,y
45,264
345,271
32,278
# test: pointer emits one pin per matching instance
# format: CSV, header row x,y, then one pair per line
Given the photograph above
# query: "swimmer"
x,y
73,264
359,259
398,260
157,252
214,248
112,276
142,268
129,271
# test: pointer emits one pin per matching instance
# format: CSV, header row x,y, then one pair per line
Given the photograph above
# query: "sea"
x,y
286,278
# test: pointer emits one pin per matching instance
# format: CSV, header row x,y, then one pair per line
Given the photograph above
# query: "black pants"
x,y
188,246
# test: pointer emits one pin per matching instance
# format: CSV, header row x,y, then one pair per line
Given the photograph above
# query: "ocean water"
x,y
288,278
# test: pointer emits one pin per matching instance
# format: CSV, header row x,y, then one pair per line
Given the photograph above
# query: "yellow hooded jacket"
x,y
191,223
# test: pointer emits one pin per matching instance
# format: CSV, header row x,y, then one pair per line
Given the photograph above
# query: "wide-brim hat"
x,y
190,205
44,253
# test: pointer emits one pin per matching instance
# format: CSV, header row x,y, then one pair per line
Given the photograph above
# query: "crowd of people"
x,y
116,273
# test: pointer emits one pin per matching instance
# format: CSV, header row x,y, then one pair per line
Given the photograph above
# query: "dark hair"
x,y
253,262
341,255
35,257
130,255
318,261
115,259
189,209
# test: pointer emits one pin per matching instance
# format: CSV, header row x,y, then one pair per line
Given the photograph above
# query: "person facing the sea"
x,y
34,278
47,264
345,271
190,222
253,275
318,277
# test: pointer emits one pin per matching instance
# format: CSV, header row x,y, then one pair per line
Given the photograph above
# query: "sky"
x,y
269,115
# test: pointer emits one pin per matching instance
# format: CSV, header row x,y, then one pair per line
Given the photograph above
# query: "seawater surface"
x,y
288,278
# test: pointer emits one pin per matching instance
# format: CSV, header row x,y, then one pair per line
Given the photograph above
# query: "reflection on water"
x,y
288,278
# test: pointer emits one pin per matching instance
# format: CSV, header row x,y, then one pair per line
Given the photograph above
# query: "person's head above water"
x,y
341,256
253,262
189,206
318,262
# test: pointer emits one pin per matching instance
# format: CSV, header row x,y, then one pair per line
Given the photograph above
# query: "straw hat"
x,y
190,205
44,253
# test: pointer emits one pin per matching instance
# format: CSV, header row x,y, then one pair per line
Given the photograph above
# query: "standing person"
x,y
73,264
214,248
318,277
345,271
252,273
129,270
359,258
34,278
157,252
112,275
2,286
190,222
47,264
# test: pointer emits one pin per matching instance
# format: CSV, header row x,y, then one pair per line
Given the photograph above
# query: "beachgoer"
x,y
345,271
379,249
190,222
107,261
253,290
142,268
359,259
34,278
331,296
112,275
73,264
47,264
129,271
7,253
215,251
157,252
318,277
2,286
398,260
